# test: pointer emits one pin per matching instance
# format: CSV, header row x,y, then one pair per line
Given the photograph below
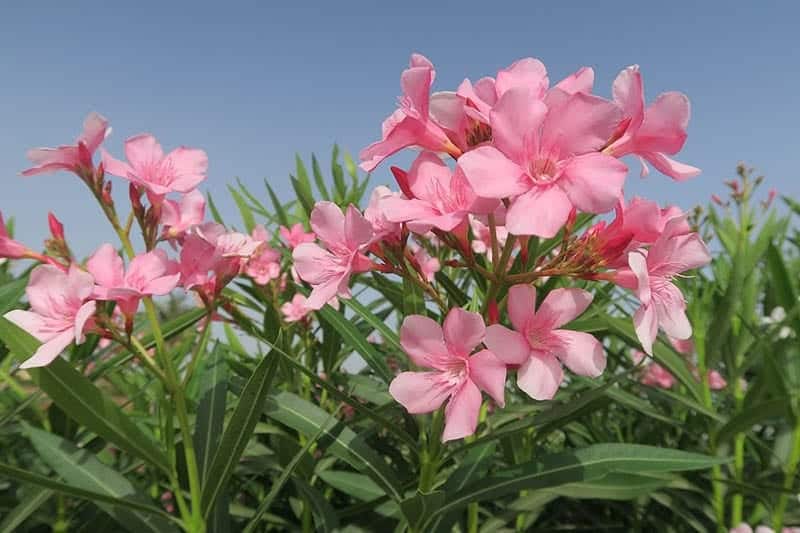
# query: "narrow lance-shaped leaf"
x,y
238,431
83,470
85,403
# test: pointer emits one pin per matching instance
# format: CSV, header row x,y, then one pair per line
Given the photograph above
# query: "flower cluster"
x,y
526,160
65,296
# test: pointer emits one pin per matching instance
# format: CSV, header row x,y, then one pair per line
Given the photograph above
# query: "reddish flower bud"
x,y
56,227
106,196
717,200
401,177
493,313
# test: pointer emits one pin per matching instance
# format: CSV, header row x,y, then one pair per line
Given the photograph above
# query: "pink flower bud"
x,y
56,227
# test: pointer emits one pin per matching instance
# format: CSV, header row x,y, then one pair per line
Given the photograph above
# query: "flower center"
x,y
543,171
479,133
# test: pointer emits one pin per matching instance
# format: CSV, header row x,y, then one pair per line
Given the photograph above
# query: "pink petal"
x,y
313,264
416,84
83,315
327,221
580,81
325,292
423,340
671,312
488,372
463,331
559,307
106,266
189,166
516,118
528,73
508,345
419,392
593,182
115,167
95,129
400,132
428,177
357,229
48,351
628,93
645,322
665,123
521,305
542,211
142,151
461,413
583,123
491,174
33,323
580,352
669,167
638,265
540,376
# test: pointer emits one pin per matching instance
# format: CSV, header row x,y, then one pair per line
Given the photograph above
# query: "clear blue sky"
x,y
253,83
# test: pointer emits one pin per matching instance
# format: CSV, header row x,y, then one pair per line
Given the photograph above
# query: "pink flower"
x,y
682,346
179,217
411,124
382,227
71,158
265,264
653,375
716,381
548,159
442,199
9,248
652,133
210,247
149,274
650,273
456,376
296,236
179,171
539,346
641,222
428,265
328,271
296,310
60,311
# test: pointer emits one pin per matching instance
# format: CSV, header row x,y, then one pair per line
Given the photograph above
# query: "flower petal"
x,y
423,340
491,174
327,221
48,351
521,305
461,413
540,376
580,352
508,345
645,322
593,182
559,307
419,392
463,331
488,372
542,211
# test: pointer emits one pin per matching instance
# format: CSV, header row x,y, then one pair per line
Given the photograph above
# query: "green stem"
x,y
472,518
737,502
429,458
789,479
500,272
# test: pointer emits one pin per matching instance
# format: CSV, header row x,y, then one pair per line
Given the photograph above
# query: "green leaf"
x,y
616,486
340,440
388,334
81,469
278,484
421,506
279,210
213,208
338,176
319,179
663,354
26,476
82,401
10,294
413,299
456,295
356,485
586,464
30,502
211,409
755,414
324,515
244,210
238,431
356,341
